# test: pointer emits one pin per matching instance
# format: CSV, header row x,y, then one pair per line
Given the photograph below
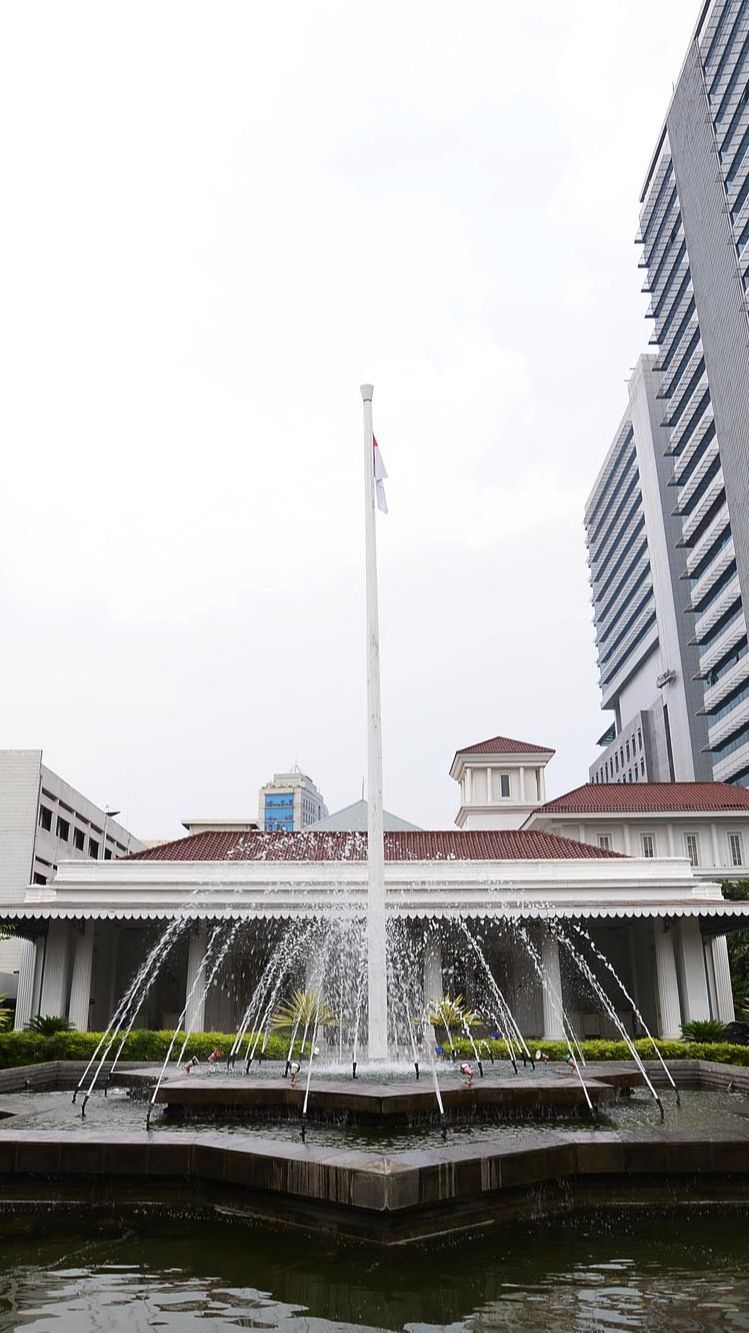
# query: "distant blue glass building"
x,y
290,802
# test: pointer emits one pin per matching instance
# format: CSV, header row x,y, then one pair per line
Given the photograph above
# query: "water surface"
x,y
687,1270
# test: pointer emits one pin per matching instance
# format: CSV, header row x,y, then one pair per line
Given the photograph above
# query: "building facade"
x,y
694,231
646,660
653,918
43,820
290,802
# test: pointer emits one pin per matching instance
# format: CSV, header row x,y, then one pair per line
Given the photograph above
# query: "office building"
x,y
43,820
694,231
647,663
290,802
680,697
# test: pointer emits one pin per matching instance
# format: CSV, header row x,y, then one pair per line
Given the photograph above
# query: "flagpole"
x,y
376,946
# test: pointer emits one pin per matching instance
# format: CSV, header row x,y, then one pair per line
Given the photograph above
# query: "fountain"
x,y
345,1009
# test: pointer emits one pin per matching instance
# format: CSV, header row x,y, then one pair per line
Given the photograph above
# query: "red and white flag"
x,y
380,473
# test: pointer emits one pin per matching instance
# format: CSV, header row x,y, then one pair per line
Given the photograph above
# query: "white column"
x,y
40,951
54,996
25,996
541,785
433,986
671,843
669,1008
195,1016
522,783
469,786
627,840
723,989
80,988
696,1000
488,786
716,845
553,1028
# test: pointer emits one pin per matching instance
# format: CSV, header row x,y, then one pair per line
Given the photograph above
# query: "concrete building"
x,y
501,781
647,662
290,802
43,820
694,232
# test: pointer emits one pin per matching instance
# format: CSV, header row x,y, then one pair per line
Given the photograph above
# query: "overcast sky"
x,y
217,221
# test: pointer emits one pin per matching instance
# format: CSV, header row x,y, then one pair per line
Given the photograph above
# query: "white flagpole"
x,y
376,947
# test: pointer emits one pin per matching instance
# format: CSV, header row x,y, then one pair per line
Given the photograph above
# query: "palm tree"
x,y
451,1013
303,1010
6,1015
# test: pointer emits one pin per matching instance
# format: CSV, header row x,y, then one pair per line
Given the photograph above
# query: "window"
x,y
107,854
93,848
504,785
63,828
626,747
648,846
693,847
642,768
45,818
79,838
736,849
639,738
39,879
604,841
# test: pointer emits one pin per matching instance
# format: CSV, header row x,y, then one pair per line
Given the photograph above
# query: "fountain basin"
x,y
391,1103
387,1199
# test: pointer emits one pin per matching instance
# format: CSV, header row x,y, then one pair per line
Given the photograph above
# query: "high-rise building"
x,y
643,629
694,232
291,802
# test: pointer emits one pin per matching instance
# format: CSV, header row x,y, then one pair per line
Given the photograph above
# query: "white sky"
x,y
218,220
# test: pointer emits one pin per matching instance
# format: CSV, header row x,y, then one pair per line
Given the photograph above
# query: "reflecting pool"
x,y
683,1270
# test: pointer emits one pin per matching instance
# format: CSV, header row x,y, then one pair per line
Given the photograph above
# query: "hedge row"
x,y
30,1048
27,1048
723,1052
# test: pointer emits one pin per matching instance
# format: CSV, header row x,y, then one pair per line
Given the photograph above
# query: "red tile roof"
x,y
416,845
648,798
504,745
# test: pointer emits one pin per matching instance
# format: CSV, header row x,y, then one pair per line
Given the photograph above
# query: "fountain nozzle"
x,y
353,1069
416,1067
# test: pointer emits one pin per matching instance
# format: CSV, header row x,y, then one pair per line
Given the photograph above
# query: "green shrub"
x,y
142,1046
705,1029
724,1052
6,1015
48,1024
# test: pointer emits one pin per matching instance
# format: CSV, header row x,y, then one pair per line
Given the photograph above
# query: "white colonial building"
x,y
637,868
501,781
